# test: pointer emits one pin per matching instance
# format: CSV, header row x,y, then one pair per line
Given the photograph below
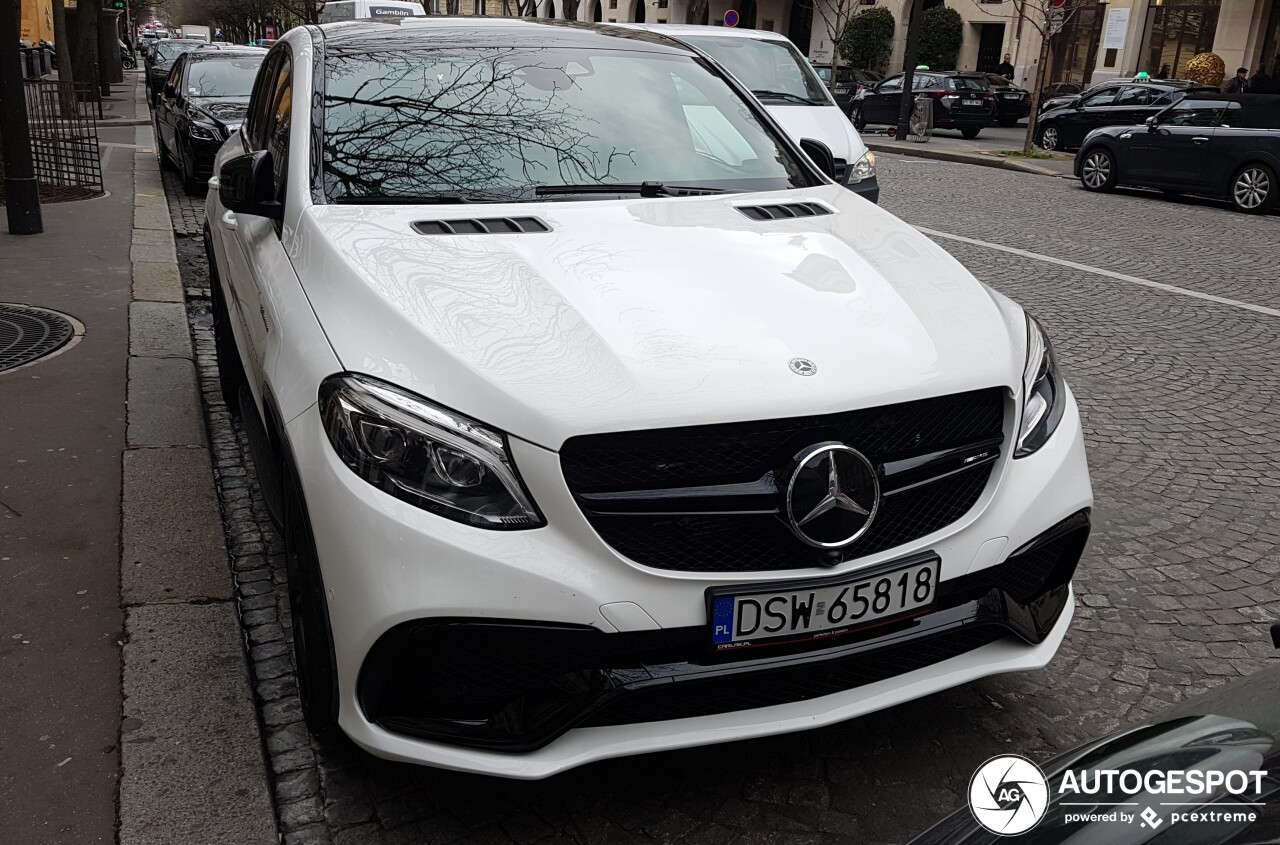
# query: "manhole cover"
x,y
30,333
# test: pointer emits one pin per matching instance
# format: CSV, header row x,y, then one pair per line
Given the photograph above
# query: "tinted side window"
x,y
1135,95
260,103
891,85
279,121
1102,98
1195,112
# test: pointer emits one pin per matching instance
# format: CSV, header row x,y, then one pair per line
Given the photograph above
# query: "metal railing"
x,y
64,139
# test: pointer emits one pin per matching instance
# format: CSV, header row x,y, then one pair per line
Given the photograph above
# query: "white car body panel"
x,y
643,313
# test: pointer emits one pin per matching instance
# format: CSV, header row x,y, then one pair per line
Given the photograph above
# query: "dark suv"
x,y
1117,102
961,101
1218,145
846,82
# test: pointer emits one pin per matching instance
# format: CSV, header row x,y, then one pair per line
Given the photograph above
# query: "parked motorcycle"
x,y
127,57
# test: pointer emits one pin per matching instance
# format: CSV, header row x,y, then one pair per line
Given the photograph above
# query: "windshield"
x,y
170,50
499,124
765,66
224,78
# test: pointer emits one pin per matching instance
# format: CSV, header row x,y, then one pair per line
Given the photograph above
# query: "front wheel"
x,y
190,184
1098,171
1049,139
970,132
166,161
1254,189
859,122
312,636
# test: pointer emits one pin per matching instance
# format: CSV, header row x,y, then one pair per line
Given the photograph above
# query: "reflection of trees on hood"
x,y
430,122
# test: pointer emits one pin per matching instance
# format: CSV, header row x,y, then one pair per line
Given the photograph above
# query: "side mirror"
x,y
169,91
1152,122
820,154
246,186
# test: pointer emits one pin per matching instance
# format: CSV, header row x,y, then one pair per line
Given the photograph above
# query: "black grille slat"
x,y
747,691
481,226
784,211
744,452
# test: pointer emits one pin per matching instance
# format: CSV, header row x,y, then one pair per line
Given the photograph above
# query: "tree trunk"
x,y
83,26
62,43
1042,79
696,12
909,69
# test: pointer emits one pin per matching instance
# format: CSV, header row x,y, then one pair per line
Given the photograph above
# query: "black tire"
x,y
312,635
1049,139
856,117
1253,189
230,369
166,160
1098,170
190,184
970,132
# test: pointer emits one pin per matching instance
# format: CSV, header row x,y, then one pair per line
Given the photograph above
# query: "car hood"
x,y
821,123
653,312
229,112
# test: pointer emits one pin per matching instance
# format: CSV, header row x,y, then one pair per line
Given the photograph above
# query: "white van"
x,y
787,86
349,10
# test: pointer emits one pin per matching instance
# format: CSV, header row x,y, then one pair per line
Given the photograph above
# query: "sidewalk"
x,y
948,145
125,693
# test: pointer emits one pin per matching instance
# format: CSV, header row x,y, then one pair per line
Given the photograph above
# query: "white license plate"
x,y
1012,96
741,617
970,102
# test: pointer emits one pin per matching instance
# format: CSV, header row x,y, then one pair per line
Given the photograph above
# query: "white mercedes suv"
x,y
599,420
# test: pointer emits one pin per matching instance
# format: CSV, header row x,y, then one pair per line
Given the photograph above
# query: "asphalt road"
x,y
1165,315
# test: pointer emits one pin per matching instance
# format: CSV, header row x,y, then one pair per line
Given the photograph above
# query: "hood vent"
x,y
784,211
481,226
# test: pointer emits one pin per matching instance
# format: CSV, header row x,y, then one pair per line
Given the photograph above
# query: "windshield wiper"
x,y
424,199
783,95
644,189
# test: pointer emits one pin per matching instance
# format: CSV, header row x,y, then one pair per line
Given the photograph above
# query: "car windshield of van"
x,y
773,70
225,78
498,124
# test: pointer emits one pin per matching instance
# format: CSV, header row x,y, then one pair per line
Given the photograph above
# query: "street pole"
x,y
22,193
909,69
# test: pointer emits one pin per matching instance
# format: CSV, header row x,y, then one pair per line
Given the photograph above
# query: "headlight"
x,y
1042,391
424,454
863,168
202,132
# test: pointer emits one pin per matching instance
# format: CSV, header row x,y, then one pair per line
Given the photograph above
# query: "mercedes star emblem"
x,y
832,497
803,366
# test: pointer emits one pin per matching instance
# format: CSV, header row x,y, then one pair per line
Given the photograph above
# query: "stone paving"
x,y
1175,592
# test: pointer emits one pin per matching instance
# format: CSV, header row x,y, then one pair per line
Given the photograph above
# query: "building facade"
x,y
1099,39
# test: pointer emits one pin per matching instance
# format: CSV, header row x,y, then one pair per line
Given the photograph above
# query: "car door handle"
x,y
1199,139
228,220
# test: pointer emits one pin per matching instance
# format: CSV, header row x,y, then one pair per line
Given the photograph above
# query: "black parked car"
x,y
1013,103
202,102
1216,145
846,83
1232,732
961,101
1113,103
160,61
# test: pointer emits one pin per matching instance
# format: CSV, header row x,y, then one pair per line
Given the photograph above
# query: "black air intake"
x,y
481,226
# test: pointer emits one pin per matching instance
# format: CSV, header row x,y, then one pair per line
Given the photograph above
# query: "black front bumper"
x,y
516,686
867,189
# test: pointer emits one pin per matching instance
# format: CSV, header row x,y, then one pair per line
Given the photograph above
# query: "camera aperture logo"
x,y
1008,795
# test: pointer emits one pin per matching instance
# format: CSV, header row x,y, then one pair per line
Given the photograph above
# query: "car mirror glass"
x,y
245,186
821,155
1152,122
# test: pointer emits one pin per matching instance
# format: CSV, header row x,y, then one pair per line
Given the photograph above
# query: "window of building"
x,y
1179,30
1109,57
767,25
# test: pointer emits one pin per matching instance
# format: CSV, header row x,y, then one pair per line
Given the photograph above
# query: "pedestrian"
x,y
1005,68
1237,84
1164,72
1261,82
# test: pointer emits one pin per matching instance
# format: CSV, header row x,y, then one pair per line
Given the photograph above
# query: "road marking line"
x,y
1099,271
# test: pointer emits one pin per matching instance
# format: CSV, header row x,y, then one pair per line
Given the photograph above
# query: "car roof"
x,y
678,29
224,54
424,32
